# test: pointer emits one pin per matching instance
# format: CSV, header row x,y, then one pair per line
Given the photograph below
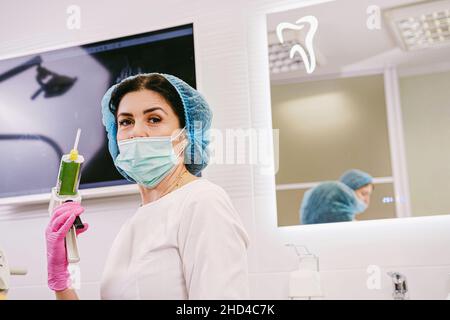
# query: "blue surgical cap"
x,y
356,179
330,201
198,117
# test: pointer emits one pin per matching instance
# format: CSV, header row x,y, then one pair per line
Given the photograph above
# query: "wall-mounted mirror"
x,y
363,86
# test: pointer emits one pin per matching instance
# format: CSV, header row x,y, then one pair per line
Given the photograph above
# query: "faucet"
x,y
400,289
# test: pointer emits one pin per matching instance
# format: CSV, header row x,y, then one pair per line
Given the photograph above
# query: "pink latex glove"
x,y
60,223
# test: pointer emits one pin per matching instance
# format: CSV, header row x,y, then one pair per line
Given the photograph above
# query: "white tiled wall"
x,y
232,71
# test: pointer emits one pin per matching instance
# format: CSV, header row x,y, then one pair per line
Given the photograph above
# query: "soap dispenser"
x,y
305,283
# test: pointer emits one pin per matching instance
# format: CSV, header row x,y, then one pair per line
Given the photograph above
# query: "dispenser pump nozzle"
x,y
74,151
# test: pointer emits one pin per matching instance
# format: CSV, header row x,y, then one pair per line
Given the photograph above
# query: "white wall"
x,y
233,74
426,115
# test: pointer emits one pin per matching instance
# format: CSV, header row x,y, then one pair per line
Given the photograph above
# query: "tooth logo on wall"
x,y
308,56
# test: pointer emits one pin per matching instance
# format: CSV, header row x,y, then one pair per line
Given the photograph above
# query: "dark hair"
x,y
154,82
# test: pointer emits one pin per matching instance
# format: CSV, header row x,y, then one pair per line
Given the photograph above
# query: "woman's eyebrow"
x,y
126,114
153,109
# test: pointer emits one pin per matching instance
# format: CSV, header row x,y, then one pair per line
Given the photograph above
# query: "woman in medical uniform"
x,y
185,241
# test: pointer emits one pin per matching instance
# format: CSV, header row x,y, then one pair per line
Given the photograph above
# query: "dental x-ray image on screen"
x,y
45,97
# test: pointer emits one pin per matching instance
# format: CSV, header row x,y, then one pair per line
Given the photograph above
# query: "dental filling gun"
x,y
66,190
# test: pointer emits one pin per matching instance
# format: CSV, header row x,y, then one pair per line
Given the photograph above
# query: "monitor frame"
x,y
104,191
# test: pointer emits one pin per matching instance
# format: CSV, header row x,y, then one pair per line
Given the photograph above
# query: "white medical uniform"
x,y
190,244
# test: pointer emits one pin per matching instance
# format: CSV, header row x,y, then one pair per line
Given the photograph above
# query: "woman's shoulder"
x,y
203,188
209,206
206,194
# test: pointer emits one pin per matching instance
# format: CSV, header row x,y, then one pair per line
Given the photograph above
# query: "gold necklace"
x,y
176,184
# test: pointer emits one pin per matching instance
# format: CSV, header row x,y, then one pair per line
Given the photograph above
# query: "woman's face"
x,y
145,113
364,193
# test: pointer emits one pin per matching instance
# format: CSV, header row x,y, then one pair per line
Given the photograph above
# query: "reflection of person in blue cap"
x,y
337,201
359,181
330,201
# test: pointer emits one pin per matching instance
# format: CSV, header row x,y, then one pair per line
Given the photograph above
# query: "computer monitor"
x,y
45,97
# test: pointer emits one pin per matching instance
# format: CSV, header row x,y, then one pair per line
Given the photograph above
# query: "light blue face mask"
x,y
361,206
148,160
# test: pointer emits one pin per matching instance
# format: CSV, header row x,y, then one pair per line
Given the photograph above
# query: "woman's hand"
x,y
60,223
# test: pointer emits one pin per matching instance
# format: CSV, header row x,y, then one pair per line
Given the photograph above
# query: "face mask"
x,y
148,160
361,206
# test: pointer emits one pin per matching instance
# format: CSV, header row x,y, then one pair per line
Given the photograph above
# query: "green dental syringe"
x,y
67,190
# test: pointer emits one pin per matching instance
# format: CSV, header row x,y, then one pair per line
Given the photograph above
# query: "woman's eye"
x,y
124,122
154,120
